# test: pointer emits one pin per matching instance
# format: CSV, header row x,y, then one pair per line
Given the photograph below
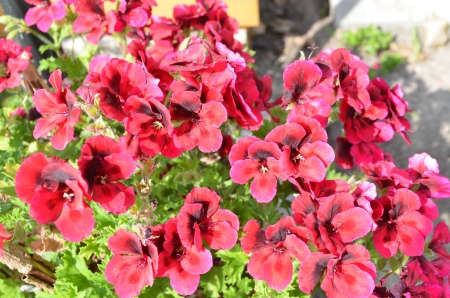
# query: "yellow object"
x,y
245,11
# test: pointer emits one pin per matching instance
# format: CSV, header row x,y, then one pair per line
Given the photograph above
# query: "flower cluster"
x,y
187,84
173,249
59,193
13,61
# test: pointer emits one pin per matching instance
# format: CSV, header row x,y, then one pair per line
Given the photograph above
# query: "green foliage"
x,y
371,40
389,62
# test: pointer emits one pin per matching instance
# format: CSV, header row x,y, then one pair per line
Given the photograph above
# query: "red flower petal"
x,y
28,176
240,150
124,242
352,224
264,187
196,262
208,198
244,170
277,270
255,238
75,225
255,265
311,270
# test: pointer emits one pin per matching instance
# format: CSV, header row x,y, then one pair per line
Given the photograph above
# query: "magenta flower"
x,y
401,225
337,222
44,13
305,152
150,121
55,190
120,80
300,79
59,110
201,218
134,264
13,61
201,122
351,274
440,238
407,286
93,19
259,161
272,249
4,235
424,169
353,78
103,164
182,265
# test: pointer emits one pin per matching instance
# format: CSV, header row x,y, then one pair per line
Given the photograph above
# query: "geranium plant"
x,y
172,170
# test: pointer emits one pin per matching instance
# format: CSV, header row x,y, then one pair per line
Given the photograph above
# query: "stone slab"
x,y
361,13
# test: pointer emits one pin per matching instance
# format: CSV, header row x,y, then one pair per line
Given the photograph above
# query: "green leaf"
x,y
9,289
235,261
395,264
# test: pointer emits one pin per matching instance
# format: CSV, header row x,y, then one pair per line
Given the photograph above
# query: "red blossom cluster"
x,y
173,249
13,61
175,97
59,193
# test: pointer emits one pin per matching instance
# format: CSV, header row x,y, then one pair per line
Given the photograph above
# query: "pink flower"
x,y
134,264
201,218
13,61
424,169
259,160
92,19
272,249
337,222
300,81
149,120
351,274
55,191
401,225
59,110
4,235
103,164
201,122
305,152
440,238
44,13
180,264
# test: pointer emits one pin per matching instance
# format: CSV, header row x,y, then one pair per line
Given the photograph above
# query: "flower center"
x,y
103,179
264,169
68,196
298,158
158,125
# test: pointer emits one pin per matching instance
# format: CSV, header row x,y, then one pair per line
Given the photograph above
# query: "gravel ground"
x,y
426,83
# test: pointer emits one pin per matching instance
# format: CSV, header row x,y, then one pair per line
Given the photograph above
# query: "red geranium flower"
x,y
305,151
351,274
44,13
407,287
272,249
103,164
300,79
401,225
337,222
182,265
424,169
13,60
353,78
120,80
440,238
93,19
135,13
259,161
59,110
4,235
201,122
55,190
134,265
201,218
150,121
